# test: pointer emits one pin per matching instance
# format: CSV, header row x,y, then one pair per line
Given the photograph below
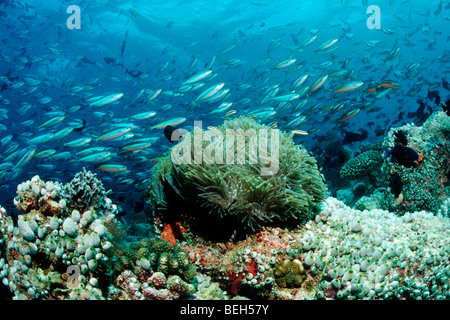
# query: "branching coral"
x,y
231,192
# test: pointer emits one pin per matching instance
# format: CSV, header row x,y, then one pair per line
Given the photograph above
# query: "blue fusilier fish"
x,y
210,92
198,77
101,101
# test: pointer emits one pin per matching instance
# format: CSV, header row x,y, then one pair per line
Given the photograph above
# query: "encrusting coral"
x,y
219,198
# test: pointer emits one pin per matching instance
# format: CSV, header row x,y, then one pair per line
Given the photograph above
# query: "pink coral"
x,y
155,294
158,280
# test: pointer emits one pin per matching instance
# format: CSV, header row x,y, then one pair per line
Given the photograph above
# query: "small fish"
x,y
114,134
403,155
230,113
6,140
374,43
395,185
143,115
28,155
109,167
135,146
48,167
198,77
221,95
438,9
208,93
65,155
223,107
152,96
42,138
124,43
6,165
299,82
318,83
300,132
350,137
32,81
284,64
307,42
327,45
62,133
77,125
171,122
91,150
387,31
348,115
44,154
102,101
388,84
349,86
52,122
384,93
287,97
18,85
134,73
101,156
45,100
78,142
113,62
392,54
296,122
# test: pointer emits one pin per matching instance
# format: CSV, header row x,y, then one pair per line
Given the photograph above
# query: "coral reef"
x,y
343,253
65,253
236,195
53,251
420,185
150,286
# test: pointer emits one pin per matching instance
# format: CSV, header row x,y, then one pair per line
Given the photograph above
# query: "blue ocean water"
x,y
56,61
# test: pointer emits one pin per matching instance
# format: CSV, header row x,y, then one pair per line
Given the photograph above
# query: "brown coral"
x,y
289,273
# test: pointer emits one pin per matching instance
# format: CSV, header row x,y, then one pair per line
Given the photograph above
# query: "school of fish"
x,y
101,98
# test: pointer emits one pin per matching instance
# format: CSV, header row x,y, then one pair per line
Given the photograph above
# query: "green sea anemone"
x,y
238,176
